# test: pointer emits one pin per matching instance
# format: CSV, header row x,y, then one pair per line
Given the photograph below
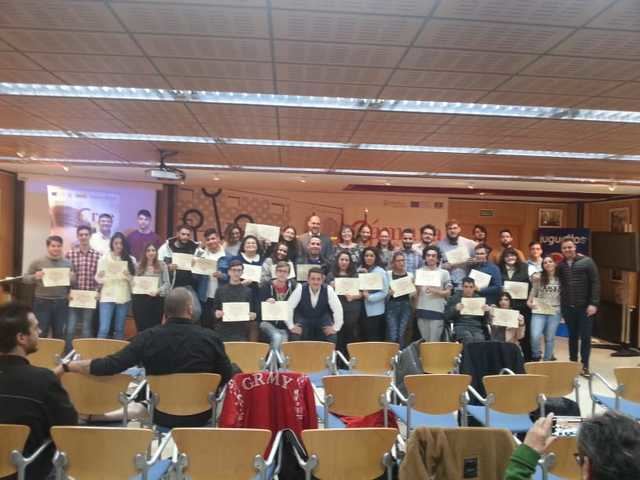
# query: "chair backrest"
x,y
93,395
12,437
349,453
96,453
439,357
516,394
561,376
45,356
97,347
247,355
630,378
565,465
355,395
220,453
307,357
373,357
184,393
437,393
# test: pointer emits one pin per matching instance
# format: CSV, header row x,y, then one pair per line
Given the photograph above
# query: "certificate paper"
x,y
277,311
402,286
502,317
270,233
145,285
114,270
518,290
56,277
457,255
204,266
252,272
347,285
482,279
302,271
83,299
428,278
543,308
370,281
182,260
235,312
472,306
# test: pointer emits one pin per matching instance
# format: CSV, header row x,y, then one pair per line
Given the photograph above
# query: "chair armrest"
x,y
70,356
136,391
399,394
478,397
349,363
21,462
262,465
143,464
616,390
507,371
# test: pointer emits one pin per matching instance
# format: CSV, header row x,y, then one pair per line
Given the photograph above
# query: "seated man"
x,y
177,346
608,448
467,328
316,310
29,395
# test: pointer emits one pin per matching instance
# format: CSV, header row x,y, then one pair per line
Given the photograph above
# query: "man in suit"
x,y
313,226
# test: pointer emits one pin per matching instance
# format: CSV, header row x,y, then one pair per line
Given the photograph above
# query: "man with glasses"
x,y
233,292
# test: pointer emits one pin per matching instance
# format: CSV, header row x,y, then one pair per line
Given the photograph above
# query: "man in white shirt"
x,y
454,241
316,310
207,285
100,240
534,261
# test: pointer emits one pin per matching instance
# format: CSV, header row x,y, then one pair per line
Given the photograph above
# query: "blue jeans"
x,y
546,325
52,315
107,311
398,316
84,315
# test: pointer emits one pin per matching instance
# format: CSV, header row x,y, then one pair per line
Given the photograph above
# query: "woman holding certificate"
x,y
544,302
374,292
502,315
346,244
363,237
115,273
150,286
251,258
232,239
280,254
399,309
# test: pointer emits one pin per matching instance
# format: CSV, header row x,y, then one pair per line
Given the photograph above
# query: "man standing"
x,y
234,292
314,231
316,310
467,328
181,243
176,346
84,262
143,236
506,241
427,238
482,264
29,395
579,300
453,241
50,303
534,262
432,300
412,258
207,285
100,240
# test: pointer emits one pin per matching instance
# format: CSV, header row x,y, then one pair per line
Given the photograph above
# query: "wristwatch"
x,y
65,367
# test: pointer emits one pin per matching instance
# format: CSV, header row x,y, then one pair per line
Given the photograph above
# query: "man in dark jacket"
x,y
180,244
466,327
579,300
29,395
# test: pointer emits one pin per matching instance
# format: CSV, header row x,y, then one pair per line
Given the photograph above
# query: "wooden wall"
x,y
7,226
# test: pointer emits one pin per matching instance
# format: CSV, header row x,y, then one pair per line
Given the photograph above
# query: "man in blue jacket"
x,y
482,264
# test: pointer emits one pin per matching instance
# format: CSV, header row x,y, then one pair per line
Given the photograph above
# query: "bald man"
x,y
313,226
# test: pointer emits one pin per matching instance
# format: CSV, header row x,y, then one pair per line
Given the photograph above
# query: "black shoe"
x,y
553,359
585,372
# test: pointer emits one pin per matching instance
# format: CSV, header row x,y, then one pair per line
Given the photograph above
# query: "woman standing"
x,y
115,294
363,237
344,266
398,308
289,236
372,324
232,237
148,309
504,334
546,288
346,244
385,247
280,254
515,270
250,254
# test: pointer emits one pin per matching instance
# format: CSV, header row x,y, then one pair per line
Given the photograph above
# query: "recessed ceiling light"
x,y
387,183
470,186
21,154
482,194
303,180
216,179
612,187
65,168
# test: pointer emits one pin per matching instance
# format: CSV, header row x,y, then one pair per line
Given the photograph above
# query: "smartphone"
x,y
565,426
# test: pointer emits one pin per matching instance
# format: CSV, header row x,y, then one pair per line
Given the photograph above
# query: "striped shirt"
x,y
85,265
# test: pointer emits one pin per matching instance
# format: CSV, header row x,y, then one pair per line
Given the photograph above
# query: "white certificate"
x,y
543,308
83,299
235,312
145,285
428,278
458,255
502,317
402,286
270,233
370,281
302,271
473,306
347,285
204,266
182,260
252,272
276,311
518,290
292,272
114,270
482,279
56,277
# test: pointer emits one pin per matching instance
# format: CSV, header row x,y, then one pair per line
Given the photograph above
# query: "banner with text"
x,y
550,238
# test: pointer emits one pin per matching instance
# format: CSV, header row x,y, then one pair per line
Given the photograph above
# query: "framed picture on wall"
x,y
620,220
549,217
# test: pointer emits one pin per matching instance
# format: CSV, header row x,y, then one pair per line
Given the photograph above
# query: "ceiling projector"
x,y
167,173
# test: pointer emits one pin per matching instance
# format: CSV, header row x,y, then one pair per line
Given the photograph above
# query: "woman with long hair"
x,y
114,273
545,290
372,324
343,266
398,307
148,308
280,254
513,269
506,334
232,239
385,247
363,237
346,244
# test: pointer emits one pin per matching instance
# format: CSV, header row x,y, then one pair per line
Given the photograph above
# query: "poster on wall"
x,y
70,207
550,238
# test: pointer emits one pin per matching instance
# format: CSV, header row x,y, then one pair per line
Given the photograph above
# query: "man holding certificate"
x,y
468,312
312,255
211,274
273,294
181,244
487,271
456,250
434,287
52,276
231,295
